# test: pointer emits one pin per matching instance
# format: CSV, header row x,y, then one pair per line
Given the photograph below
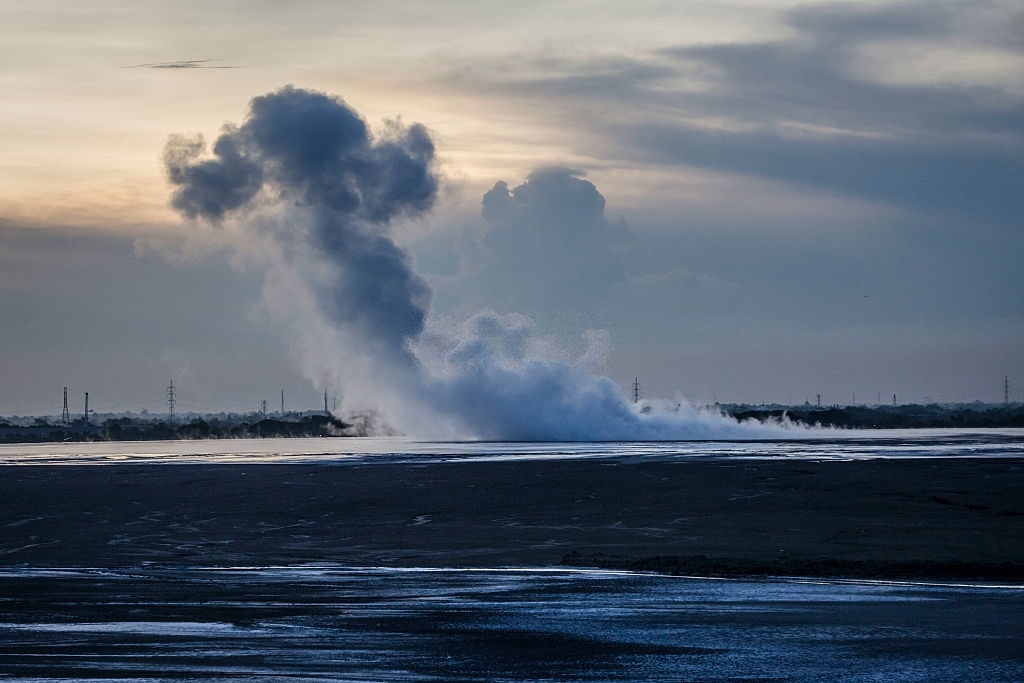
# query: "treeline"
x,y
136,429
910,416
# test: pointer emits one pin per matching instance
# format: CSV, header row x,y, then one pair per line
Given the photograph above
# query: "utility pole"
x,y
282,403
1006,390
636,390
170,402
894,399
65,416
819,400
87,407
326,412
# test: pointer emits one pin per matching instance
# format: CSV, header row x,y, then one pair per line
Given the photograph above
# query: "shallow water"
x,y
378,624
805,444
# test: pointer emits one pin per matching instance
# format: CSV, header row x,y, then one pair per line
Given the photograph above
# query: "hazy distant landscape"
x,y
136,427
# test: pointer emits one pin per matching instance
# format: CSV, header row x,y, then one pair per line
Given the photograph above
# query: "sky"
x,y
754,201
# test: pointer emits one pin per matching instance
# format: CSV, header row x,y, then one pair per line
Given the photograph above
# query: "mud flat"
x,y
942,518
464,570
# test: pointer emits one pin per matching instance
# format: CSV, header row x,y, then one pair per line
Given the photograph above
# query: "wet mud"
x,y
941,518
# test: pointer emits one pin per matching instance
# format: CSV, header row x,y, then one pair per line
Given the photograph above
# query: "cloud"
x,y
182,64
547,249
971,181
803,112
838,106
987,22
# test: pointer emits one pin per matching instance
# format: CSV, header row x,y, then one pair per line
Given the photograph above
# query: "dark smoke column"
x,y
311,194
310,161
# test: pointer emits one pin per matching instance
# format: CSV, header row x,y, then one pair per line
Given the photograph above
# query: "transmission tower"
x,y
170,402
65,417
636,390
263,407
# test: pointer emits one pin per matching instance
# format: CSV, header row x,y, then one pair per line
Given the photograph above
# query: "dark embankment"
x,y
146,429
910,416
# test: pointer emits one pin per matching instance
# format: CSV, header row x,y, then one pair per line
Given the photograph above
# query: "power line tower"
x,y
170,402
65,416
263,407
636,390
1006,390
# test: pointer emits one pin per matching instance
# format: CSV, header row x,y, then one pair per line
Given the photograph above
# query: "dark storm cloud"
x,y
375,288
309,148
320,153
210,188
312,155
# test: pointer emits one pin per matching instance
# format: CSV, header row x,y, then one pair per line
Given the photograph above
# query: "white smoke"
x,y
310,194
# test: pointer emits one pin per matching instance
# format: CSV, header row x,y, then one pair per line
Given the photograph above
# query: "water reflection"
x,y
331,623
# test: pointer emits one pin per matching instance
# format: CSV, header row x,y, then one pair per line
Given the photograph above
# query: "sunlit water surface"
x,y
808,444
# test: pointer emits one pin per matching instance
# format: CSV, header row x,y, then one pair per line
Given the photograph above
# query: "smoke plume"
x,y
311,193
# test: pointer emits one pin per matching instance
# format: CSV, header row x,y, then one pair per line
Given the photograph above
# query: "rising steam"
x,y
311,194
